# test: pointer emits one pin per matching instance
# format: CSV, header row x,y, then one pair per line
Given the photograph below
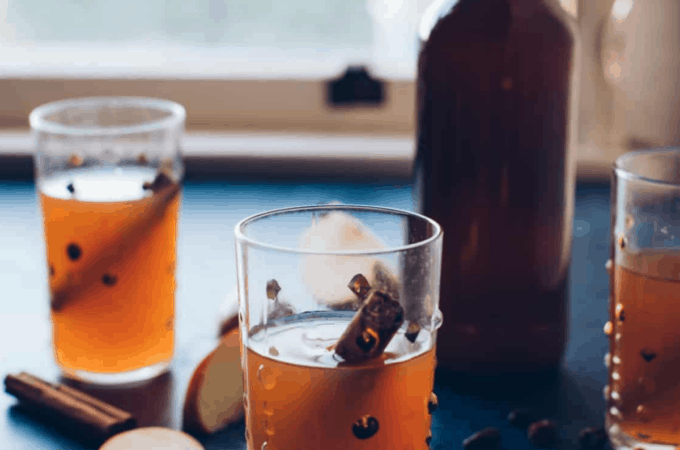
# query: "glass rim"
x,y
38,122
242,238
628,174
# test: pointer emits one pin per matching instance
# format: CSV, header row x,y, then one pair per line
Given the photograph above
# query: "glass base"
x,y
622,441
117,378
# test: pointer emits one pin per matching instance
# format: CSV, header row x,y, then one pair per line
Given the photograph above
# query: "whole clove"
x,y
73,251
273,289
542,433
412,332
161,182
647,354
360,286
486,439
366,427
109,280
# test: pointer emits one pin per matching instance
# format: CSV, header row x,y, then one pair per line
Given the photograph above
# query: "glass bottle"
x,y
496,133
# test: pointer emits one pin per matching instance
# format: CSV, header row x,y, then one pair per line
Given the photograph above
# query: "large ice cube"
x,y
327,276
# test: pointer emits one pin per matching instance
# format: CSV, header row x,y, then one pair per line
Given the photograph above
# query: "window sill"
x,y
271,154
288,154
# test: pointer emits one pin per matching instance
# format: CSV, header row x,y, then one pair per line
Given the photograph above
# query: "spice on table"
x,y
486,439
542,433
94,419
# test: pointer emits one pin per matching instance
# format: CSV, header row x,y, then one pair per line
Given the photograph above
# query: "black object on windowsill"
x,y
355,87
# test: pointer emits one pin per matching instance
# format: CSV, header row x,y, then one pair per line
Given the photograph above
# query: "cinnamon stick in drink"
x,y
371,329
93,418
111,249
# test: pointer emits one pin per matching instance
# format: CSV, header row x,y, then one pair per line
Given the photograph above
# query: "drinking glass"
x,y
338,310
644,339
108,175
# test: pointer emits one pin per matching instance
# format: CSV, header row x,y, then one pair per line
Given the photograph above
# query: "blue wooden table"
x,y
206,273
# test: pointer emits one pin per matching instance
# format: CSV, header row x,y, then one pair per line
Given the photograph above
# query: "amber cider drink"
x,y
644,361
301,396
111,254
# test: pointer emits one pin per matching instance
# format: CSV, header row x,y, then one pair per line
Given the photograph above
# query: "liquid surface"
x,y
111,255
644,359
301,397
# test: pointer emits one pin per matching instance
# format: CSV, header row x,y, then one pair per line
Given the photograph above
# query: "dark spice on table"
x,y
486,439
542,433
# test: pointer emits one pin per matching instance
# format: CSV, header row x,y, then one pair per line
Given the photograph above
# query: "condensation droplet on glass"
x,y
618,311
614,411
616,396
608,328
269,427
616,376
268,411
642,413
617,337
614,429
608,265
605,392
616,360
264,446
266,376
607,360
630,221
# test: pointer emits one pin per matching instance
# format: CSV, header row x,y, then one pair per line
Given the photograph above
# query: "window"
x,y
241,67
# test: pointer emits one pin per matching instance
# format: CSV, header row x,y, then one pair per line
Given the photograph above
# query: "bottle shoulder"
x,y
493,20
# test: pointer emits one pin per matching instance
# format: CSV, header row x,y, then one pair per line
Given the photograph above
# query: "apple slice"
x,y
152,437
214,398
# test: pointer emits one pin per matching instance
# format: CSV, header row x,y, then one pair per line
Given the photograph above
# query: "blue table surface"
x,y
206,273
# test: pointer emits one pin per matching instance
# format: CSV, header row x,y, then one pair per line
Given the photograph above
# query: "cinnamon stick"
x,y
371,329
95,419
66,285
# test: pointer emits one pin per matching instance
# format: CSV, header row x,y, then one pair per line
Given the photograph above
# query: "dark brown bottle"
x,y
496,167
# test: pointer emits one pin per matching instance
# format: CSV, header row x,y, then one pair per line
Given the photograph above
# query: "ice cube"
x,y
326,276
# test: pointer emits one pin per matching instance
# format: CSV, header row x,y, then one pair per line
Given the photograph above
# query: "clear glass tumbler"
x,y
644,338
109,175
339,308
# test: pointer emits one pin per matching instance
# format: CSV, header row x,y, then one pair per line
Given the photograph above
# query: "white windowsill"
x,y
275,153
291,154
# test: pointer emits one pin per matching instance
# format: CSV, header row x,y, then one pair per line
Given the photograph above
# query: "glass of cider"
x,y
108,176
643,390
338,311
